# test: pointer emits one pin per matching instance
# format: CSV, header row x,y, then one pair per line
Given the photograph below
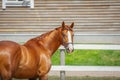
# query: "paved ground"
x,y
94,74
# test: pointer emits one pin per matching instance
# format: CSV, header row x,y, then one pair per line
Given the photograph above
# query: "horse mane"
x,y
46,34
42,36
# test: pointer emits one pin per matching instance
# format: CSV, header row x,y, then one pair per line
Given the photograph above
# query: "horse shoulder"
x,y
28,58
28,63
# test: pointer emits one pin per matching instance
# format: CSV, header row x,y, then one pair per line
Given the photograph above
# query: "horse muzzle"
x,y
69,48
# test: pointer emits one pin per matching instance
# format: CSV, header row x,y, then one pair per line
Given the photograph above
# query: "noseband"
x,y
69,43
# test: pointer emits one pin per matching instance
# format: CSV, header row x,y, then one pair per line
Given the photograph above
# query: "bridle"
x,y
66,43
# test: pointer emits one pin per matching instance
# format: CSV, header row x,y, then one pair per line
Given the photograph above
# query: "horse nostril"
x,y
69,50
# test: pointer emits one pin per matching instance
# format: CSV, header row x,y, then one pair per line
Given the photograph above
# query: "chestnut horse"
x,y
33,59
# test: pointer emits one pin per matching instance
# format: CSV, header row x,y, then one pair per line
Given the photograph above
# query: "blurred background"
x,y
96,22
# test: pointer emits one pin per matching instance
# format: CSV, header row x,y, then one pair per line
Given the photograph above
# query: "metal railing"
x,y
62,68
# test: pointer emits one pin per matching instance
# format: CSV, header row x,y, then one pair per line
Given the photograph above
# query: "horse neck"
x,y
53,42
50,42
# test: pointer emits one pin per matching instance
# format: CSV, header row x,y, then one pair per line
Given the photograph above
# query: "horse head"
x,y
67,37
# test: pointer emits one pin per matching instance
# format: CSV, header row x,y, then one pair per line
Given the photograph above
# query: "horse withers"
x,y
33,59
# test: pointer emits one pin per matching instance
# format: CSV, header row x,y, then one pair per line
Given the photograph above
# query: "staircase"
x,y
90,17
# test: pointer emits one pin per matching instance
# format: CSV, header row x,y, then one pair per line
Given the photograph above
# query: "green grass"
x,y
84,78
90,57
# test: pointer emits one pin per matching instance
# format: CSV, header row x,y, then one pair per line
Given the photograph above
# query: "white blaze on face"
x,y
70,46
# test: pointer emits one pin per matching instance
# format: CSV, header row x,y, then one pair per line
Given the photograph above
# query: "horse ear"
x,y
72,25
63,25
